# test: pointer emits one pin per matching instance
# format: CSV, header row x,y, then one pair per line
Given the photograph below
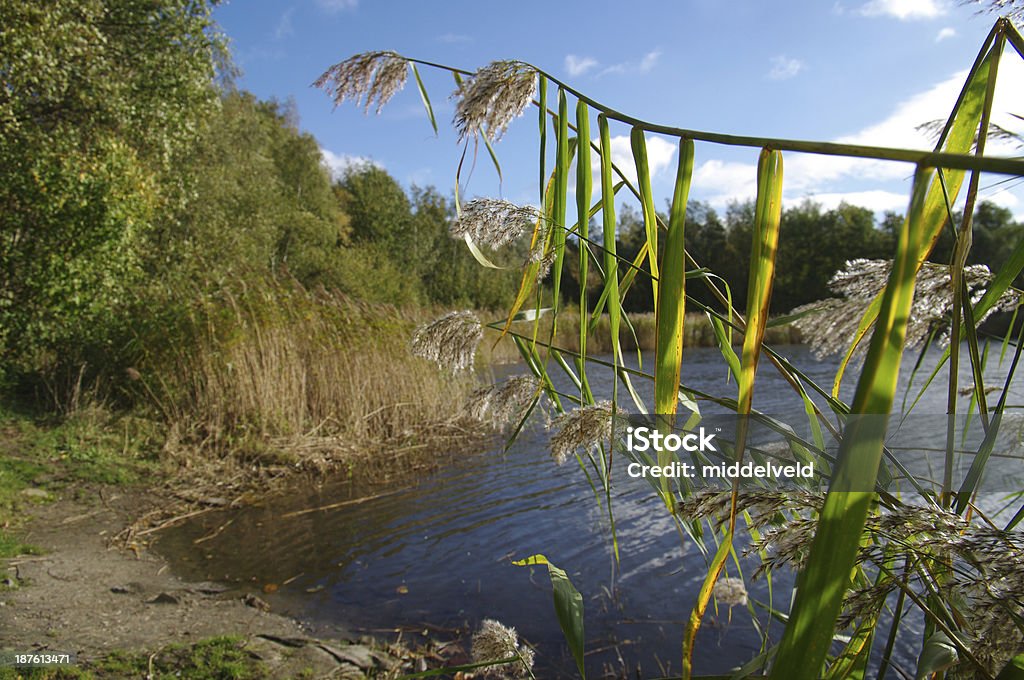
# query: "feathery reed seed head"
x,y
493,222
377,76
544,261
496,642
831,323
1011,9
730,591
450,341
504,402
495,95
585,428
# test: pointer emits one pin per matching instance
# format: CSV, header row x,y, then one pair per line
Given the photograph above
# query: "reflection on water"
x,y
438,554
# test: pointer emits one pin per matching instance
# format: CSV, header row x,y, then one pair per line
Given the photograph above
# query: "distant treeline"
x,y
813,245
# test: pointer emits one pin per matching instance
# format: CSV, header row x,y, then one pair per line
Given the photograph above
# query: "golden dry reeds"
x,y
289,371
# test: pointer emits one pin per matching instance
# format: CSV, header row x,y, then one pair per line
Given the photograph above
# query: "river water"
x,y
436,554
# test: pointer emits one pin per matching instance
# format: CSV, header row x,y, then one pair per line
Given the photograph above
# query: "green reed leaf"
x,y
826,576
563,159
670,314
611,263
424,96
584,189
568,607
643,172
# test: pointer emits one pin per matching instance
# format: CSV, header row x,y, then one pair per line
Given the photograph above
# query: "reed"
x,y
846,544
282,374
640,334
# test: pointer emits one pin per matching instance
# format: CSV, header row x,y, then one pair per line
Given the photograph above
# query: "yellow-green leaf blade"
x,y
643,173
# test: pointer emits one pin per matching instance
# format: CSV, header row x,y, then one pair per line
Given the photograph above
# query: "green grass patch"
x,y
42,457
11,546
216,658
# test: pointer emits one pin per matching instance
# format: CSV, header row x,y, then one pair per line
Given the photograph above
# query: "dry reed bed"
x,y
284,376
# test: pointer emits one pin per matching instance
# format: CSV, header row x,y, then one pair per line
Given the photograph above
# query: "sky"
x,y
858,71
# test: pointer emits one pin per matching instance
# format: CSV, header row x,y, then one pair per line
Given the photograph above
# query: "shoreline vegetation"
x,y
264,408
640,333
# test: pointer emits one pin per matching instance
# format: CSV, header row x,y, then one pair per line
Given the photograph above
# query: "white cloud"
x,y
660,153
1001,197
876,200
649,61
577,66
339,164
904,10
936,103
947,32
784,67
723,181
645,65
284,27
825,178
455,38
337,5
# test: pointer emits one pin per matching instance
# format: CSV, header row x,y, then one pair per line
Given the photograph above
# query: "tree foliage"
x,y
260,200
96,100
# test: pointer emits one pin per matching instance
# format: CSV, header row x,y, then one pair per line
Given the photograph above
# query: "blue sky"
x,y
865,71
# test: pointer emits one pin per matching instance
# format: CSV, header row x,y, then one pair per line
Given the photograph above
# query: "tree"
x,y
816,245
378,208
97,100
262,201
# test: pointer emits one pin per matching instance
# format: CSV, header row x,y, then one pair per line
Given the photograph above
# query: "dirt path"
x,y
86,597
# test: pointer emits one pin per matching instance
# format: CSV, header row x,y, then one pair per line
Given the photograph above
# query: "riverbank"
x,y
124,614
82,497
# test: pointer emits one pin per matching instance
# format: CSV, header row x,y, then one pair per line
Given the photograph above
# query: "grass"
x,y
281,375
234,657
44,457
216,658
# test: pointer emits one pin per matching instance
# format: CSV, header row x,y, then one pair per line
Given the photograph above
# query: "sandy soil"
x,y
84,596
88,596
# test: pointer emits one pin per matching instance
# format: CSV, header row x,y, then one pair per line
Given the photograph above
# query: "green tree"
x,y
262,201
378,208
816,246
706,242
97,100
313,225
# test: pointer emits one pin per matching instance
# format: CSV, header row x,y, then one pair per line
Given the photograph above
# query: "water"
x,y
436,555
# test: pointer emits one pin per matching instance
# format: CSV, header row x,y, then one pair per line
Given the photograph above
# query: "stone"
x,y
256,603
126,589
358,655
